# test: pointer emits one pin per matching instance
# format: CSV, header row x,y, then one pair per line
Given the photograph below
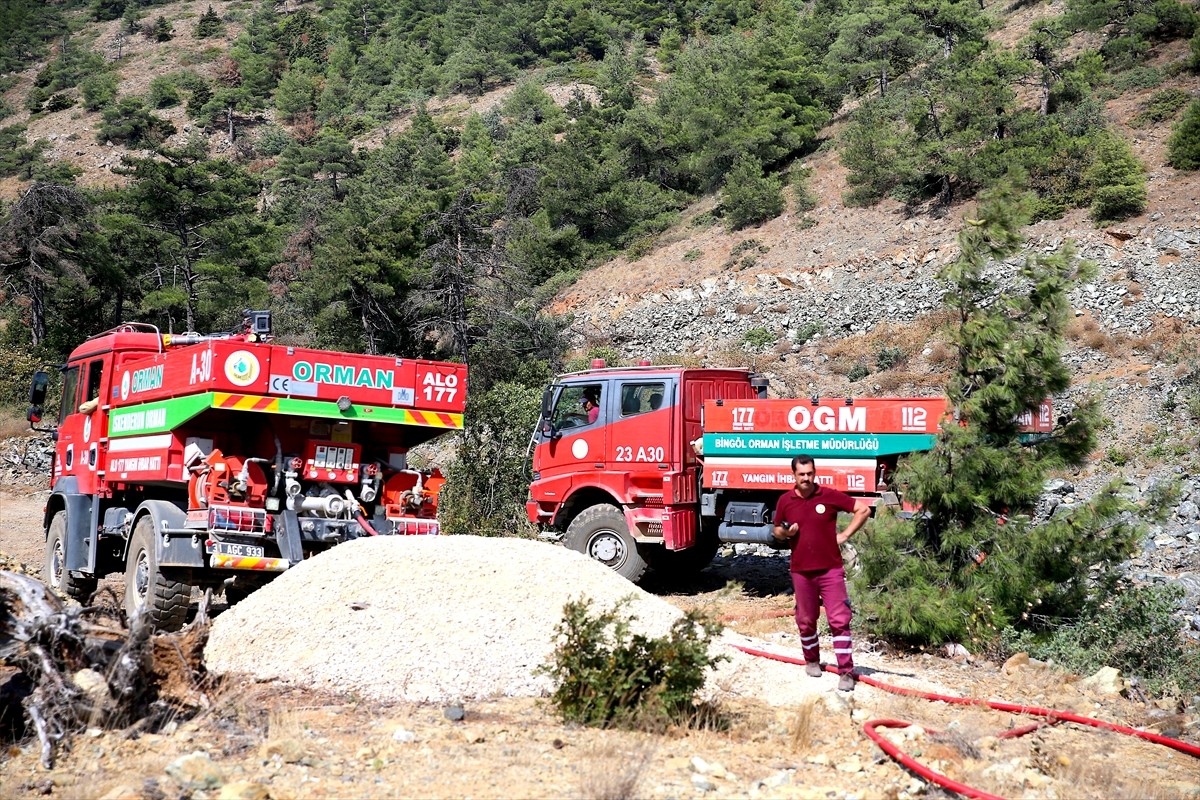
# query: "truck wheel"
x,y
600,532
56,574
146,590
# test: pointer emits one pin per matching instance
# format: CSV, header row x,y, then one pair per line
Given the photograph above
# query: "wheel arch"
x,y
581,499
80,538
162,514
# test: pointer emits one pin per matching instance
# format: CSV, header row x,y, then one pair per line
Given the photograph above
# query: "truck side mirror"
x,y
544,422
37,399
38,388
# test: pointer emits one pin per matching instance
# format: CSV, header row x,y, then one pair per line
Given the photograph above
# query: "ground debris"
x,y
71,668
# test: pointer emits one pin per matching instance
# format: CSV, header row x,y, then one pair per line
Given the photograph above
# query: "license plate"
x,y
240,550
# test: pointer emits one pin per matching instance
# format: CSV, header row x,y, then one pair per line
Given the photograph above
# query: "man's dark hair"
x,y
803,458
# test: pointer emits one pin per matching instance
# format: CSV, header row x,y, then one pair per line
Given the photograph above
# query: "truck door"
x,y
574,447
641,436
80,429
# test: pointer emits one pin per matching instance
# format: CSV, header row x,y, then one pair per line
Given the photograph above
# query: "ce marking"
x,y
281,384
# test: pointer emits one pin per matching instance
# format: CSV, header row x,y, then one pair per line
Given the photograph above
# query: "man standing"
x,y
806,519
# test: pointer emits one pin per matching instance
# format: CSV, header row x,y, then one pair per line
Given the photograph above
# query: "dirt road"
x,y
271,741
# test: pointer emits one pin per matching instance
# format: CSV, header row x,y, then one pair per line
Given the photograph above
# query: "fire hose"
x,y
1050,716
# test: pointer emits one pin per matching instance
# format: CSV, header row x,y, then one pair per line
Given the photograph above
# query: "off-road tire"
x,y
600,533
55,572
146,589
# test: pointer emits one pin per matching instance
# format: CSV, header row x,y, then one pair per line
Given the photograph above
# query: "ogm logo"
x,y
242,368
125,386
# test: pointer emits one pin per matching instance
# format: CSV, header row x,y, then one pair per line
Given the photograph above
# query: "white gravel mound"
x,y
421,618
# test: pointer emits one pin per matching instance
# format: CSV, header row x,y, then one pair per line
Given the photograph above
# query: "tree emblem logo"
x,y
242,368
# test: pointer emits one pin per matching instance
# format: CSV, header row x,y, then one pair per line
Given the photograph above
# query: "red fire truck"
x,y
678,460
201,460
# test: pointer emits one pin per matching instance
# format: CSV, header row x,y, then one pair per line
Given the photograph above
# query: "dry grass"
x,y
802,726
13,423
908,341
903,382
1169,338
1086,331
609,771
284,723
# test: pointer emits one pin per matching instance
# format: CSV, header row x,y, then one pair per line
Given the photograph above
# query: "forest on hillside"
x,y
445,240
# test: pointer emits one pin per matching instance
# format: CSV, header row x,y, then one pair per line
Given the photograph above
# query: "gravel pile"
x,y
440,618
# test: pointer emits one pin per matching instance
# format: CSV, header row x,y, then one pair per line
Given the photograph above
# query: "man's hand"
x,y
862,512
784,534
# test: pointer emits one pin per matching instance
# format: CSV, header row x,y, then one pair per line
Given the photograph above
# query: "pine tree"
x,y
750,197
972,561
209,24
161,30
1184,145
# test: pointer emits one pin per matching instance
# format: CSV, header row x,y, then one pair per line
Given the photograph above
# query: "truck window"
x,y
578,405
639,398
95,374
70,390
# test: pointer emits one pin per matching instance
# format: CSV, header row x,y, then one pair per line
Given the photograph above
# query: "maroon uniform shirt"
x,y
816,545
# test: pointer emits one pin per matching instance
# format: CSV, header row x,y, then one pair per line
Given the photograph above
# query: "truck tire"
x,y
146,589
56,574
600,533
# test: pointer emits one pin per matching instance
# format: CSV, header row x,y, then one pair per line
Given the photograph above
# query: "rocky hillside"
x,y
832,300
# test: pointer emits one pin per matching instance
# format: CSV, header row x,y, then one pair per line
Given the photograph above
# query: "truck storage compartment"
x,y
746,522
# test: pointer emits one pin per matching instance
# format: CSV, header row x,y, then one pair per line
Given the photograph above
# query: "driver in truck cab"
x,y
591,403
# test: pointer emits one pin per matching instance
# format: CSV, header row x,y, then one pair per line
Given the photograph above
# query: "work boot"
x,y
846,682
813,668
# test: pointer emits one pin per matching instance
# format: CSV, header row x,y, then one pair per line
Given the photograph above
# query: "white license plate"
x,y
240,550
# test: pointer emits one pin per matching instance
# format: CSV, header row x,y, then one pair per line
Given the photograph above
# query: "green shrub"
x,y
750,197
611,356
60,102
16,370
272,140
1183,147
98,90
163,93
1133,630
1117,180
758,338
129,122
806,200
805,332
1113,203
486,486
1163,105
858,372
160,30
889,357
607,676
1140,77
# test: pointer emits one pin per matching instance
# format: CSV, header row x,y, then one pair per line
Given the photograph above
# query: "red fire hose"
x,y
366,526
1051,716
